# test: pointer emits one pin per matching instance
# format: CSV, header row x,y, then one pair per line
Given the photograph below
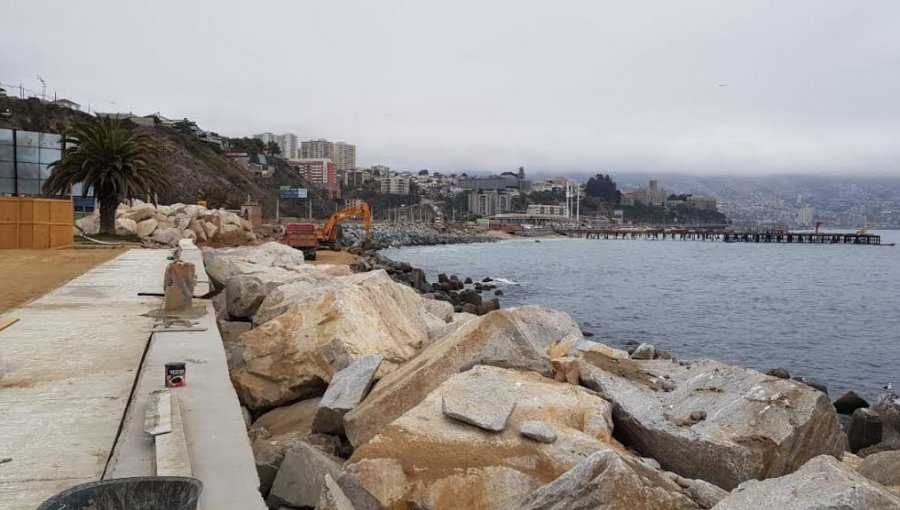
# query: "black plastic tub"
x,y
139,493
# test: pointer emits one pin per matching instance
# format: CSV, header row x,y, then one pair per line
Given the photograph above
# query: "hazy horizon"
x,y
698,87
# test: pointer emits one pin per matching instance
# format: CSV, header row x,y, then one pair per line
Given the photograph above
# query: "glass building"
x,y
25,158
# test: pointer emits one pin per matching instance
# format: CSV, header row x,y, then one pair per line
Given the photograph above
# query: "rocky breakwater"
x,y
385,235
165,225
464,294
362,393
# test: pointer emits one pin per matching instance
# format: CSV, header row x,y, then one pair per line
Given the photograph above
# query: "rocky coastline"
x,y
373,388
386,235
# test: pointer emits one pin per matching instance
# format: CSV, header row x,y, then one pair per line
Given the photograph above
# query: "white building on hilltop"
x,y
287,142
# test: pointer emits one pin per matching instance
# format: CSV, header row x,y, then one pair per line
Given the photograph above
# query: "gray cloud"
x,y
560,87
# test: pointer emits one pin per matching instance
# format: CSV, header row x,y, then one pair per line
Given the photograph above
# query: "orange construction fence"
x,y
27,222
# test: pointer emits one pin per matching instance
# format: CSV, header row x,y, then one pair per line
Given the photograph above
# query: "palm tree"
x,y
113,162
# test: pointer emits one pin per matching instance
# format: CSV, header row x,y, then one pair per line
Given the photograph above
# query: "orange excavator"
x,y
329,234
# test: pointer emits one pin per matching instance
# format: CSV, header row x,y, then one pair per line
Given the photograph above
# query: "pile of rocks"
x,y
165,225
387,235
465,295
363,393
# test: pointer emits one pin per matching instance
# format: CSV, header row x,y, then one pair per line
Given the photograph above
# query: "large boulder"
x,y
425,459
168,236
865,429
823,483
716,422
140,212
884,468
611,481
125,227
301,476
225,262
347,389
513,338
277,431
301,349
887,404
146,227
90,225
245,292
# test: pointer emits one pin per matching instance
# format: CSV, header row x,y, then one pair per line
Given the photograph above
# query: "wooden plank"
x,y
172,457
7,322
158,417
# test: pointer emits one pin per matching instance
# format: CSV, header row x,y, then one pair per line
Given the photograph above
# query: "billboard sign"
x,y
287,192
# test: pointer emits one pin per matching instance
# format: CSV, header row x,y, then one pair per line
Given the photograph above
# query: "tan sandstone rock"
x,y
361,314
505,338
425,458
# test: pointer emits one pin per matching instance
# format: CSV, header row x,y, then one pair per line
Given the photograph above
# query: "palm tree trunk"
x,y
108,204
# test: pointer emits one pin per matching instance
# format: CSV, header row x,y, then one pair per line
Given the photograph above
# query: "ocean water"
x,y
828,312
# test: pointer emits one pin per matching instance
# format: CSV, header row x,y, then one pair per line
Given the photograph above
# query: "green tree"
x,y
603,187
273,149
112,162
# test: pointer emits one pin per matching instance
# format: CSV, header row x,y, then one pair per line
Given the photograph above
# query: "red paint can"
x,y
176,375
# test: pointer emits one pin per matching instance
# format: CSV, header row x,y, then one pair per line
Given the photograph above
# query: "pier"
x,y
726,236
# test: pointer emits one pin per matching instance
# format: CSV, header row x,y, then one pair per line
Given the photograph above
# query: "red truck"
x,y
302,236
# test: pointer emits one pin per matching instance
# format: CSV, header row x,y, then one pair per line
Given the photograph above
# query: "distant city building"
x,y
507,181
343,154
65,103
319,172
805,216
652,195
286,142
489,203
395,185
358,177
353,202
546,210
702,203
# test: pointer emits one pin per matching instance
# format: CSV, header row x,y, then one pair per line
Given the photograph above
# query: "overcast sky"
x,y
700,86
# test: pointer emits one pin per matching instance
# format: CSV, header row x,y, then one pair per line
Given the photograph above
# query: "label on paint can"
x,y
176,375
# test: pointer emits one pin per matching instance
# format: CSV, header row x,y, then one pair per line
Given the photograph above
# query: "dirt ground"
x,y
29,274
334,257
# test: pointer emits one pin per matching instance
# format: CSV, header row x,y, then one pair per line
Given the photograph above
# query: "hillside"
x,y
196,169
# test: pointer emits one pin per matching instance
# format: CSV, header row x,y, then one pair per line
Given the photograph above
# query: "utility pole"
x,y
277,205
577,204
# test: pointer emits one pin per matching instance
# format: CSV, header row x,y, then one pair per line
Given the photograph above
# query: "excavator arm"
x,y
329,233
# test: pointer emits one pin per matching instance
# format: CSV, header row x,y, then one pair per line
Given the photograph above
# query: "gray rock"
x,y
883,468
487,406
537,430
607,480
849,402
706,494
707,420
813,383
864,429
332,496
887,404
644,352
823,483
347,389
470,308
885,446
781,373
248,420
301,476
361,498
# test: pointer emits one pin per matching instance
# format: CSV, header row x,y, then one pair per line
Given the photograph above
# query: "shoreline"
x,y
398,268
400,442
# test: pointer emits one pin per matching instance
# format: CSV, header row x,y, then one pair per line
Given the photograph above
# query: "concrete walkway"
x,y
67,369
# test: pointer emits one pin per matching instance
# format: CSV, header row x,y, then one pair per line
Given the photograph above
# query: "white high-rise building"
x,y
287,142
343,154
